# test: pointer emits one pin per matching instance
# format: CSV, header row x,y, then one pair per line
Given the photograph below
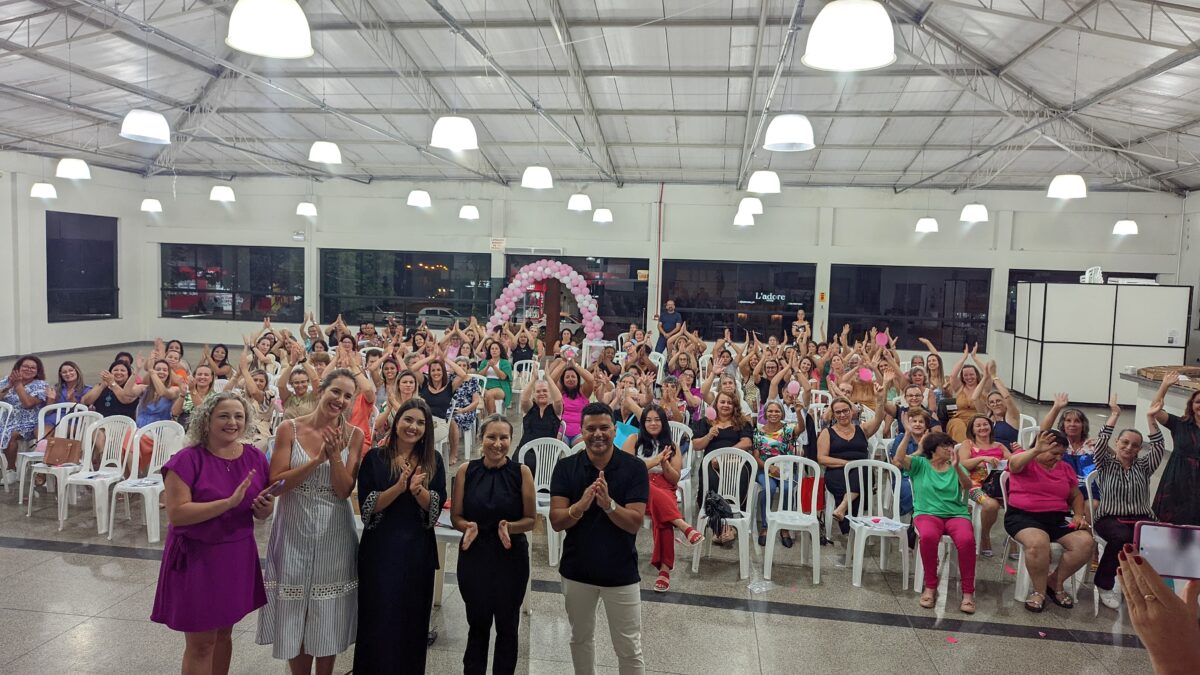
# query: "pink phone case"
x,y
1194,572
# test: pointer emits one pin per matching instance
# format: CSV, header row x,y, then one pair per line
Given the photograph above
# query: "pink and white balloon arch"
x,y
541,270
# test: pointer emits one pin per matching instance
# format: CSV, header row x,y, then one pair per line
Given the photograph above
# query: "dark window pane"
x,y
739,296
81,267
245,283
372,285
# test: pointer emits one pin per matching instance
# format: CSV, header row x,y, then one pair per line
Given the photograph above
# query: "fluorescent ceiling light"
x,y
151,205
537,178
43,191
602,216
306,209
764,183
76,169
221,193
974,213
1125,227
419,199
454,133
469,212
1067,186
927,224
276,29
751,205
743,219
146,126
325,152
579,202
850,35
789,133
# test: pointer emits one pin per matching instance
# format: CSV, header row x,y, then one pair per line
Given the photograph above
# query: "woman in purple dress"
x,y
210,576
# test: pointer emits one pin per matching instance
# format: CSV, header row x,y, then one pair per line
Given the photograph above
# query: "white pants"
x,y
623,607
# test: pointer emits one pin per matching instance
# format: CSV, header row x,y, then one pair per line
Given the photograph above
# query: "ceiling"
x,y
984,93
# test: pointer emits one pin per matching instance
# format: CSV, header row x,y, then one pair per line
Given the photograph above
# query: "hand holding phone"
x,y
1173,550
276,488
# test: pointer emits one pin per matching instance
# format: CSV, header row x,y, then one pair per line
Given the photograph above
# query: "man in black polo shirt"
x,y
599,497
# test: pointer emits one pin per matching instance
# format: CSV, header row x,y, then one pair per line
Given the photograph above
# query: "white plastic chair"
x,y
660,361
790,513
1089,489
684,489
1026,422
522,375
621,339
730,464
547,452
820,396
1027,436
946,549
875,481
28,458
6,411
219,386
167,437
108,471
705,363
578,447
1022,588
75,426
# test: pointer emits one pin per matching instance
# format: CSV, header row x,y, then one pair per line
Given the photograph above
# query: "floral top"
x,y
23,420
462,398
768,444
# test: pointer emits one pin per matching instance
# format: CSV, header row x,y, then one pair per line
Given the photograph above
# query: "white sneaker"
x,y
10,478
1111,599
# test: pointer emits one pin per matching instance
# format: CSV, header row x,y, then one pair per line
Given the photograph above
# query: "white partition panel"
x,y
1079,313
1000,348
1037,303
1081,370
1139,357
1020,354
1033,365
1022,329
1152,315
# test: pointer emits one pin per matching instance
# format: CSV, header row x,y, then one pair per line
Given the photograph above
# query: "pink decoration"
x,y
881,339
951,639
793,387
1009,570
542,269
1041,634
864,374
710,413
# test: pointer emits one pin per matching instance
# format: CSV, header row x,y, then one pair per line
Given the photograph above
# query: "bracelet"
x,y
572,513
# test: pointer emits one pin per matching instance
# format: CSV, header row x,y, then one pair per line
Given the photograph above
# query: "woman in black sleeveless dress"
x,y
493,506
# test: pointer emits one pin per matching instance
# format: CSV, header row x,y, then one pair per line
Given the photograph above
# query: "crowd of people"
x,y
331,421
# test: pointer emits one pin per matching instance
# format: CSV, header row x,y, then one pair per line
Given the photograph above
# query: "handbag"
x,y
991,485
806,484
716,509
624,430
61,451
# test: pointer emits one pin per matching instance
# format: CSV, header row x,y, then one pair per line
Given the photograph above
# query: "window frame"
x,y
786,313
243,285
111,291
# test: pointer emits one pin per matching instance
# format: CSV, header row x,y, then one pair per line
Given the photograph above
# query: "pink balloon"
x,y
511,306
881,339
864,374
793,387
711,413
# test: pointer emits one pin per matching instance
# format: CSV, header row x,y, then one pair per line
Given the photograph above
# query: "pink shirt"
x,y
572,414
1038,490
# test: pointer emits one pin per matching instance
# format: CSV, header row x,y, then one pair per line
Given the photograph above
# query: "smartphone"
x,y
1173,550
275,487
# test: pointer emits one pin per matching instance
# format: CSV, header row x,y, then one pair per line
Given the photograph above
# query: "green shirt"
x,y
936,493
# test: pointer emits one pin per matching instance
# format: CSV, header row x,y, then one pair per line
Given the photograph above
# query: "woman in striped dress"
x,y
311,573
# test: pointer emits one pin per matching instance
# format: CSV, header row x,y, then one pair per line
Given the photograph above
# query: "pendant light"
x,y
469,212
789,133
276,29
1125,226
927,224
1067,186
146,126
454,133
419,199
221,193
150,205
325,152
307,209
537,178
751,205
579,202
43,191
602,216
849,36
743,219
763,183
974,213
74,169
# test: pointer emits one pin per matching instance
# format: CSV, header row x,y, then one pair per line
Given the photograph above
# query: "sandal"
x,y
786,539
929,598
663,583
762,538
693,536
967,607
1061,598
1035,605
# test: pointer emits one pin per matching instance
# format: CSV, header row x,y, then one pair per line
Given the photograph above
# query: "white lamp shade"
x,y
306,209
1125,227
221,193
76,169
579,202
1067,186
324,152
537,178
151,205
43,191
419,199
454,133
751,205
764,182
602,216
146,126
850,35
743,219
469,212
974,213
789,133
927,224
276,29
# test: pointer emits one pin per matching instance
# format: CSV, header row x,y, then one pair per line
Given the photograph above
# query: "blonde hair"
x,y
202,416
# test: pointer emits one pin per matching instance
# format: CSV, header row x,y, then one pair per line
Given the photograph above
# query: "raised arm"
x,y
1160,396
1022,459
1061,400
902,460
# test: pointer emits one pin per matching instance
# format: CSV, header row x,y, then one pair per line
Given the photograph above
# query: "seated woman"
x,y
575,383
628,398
981,454
670,398
541,408
916,427
664,462
498,371
1124,492
404,391
1001,410
730,429
772,439
70,389
1073,423
1043,493
199,387
253,384
841,443
940,485
299,396
964,383
465,404
26,391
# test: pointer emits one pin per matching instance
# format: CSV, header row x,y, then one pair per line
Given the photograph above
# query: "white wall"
x,y
822,226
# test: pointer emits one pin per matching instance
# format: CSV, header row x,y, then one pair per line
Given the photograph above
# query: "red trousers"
x,y
663,510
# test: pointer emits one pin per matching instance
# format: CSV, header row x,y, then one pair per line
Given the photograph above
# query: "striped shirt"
x,y
1125,492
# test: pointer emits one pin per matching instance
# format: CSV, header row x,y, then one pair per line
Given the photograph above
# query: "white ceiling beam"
x,y
744,156
1046,37
900,71
622,112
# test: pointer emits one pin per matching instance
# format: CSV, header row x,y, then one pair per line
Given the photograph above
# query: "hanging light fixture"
x,y
150,205
743,219
325,152
1125,226
419,199
849,36
763,183
751,205
579,202
276,29
146,126
789,133
602,216
927,224
43,191
469,212
221,193
308,209
1067,186
537,178
454,133
974,213
75,169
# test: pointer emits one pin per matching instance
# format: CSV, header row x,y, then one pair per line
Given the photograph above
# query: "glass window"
x,y
409,285
241,283
618,284
946,305
81,267
746,296
1049,277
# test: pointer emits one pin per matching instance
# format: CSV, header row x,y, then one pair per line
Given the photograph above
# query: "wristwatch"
x,y
612,506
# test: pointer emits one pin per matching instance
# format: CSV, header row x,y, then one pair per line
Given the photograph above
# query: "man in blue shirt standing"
x,y
670,323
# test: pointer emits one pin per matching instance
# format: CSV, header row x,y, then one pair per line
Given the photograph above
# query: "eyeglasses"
x,y
843,411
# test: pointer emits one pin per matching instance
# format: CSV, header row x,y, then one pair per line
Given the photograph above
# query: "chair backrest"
x,y
905,366
877,449
1004,486
680,431
117,431
792,472
875,479
74,426
219,386
57,410
730,463
276,418
705,363
820,396
619,358
1027,421
578,447
1089,489
817,410
522,375
621,340
547,452
1028,436
6,411
481,379
167,438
